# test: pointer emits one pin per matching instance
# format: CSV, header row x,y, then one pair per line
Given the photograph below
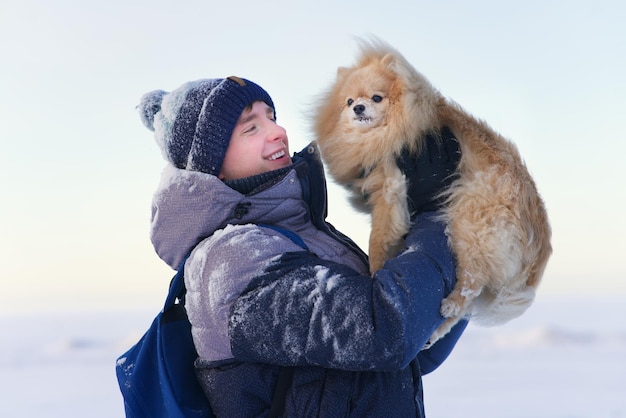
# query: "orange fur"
x,y
497,223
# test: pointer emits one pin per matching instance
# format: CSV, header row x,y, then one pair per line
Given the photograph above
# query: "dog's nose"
x,y
358,109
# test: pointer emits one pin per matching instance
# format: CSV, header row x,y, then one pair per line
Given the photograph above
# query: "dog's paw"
x,y
427,345
449,309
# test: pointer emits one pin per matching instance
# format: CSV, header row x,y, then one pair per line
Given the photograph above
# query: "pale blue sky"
x,y
78,168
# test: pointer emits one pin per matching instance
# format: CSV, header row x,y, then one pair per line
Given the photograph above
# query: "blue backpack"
x,y
157,377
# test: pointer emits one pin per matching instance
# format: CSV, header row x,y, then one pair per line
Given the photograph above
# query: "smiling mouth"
x,y
363,119
276,155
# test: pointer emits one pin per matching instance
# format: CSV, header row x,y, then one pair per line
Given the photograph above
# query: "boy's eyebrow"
x,y
246,118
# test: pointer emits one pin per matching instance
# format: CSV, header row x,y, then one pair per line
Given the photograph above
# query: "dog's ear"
x,y
389,60
342,73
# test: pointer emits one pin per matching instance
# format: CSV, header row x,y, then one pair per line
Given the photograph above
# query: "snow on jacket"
x,y
257,300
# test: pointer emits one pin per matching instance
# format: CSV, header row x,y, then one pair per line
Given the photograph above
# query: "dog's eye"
x,y
350,101
376,98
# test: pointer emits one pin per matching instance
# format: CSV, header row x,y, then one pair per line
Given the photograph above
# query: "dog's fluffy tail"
x,y
489,310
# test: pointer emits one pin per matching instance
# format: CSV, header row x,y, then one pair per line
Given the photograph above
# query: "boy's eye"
x,y
350,101
376,98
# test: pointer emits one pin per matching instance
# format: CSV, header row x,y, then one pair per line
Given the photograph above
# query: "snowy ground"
x,y
565,358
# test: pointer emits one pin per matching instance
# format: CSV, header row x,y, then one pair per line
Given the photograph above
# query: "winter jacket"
x,y
257,301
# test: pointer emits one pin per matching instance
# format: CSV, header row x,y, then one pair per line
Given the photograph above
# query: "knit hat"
x,y
193,124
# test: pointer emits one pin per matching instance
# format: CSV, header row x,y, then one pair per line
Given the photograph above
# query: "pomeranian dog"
x,y
497,223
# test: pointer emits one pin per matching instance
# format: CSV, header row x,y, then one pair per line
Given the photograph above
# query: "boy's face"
x,y
257,145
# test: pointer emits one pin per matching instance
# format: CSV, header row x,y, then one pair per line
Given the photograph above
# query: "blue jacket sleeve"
x,y
307,311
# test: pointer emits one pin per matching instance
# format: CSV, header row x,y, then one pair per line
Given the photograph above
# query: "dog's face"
x,y
365,96
365,93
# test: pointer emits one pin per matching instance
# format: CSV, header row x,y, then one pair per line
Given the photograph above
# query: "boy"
x,y
259,301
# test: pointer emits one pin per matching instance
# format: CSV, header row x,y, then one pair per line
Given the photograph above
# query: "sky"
x,y
78,168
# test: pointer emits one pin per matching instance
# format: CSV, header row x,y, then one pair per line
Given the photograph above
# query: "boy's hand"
x,y
431,172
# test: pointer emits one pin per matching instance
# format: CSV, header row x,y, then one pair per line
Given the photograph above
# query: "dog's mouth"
x,y
363,119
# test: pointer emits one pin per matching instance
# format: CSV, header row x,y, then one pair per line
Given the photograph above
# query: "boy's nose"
x,y
277,133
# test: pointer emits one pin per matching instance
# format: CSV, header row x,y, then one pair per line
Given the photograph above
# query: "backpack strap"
x,y
289,234
283,383
177,287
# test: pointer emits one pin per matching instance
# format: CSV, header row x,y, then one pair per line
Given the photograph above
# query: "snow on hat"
x,y
193,124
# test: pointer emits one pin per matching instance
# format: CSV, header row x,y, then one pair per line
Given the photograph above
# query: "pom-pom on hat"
x,y
193,124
